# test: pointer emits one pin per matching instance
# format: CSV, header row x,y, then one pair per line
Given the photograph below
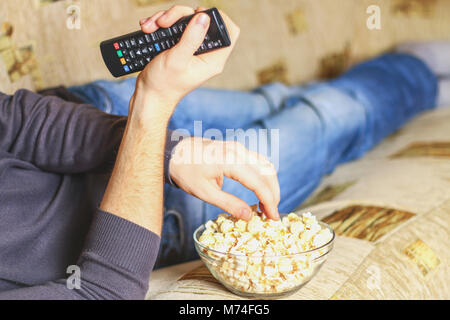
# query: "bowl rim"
x,y
267,256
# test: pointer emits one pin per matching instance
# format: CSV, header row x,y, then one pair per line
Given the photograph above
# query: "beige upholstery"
x,y
391,211
398,195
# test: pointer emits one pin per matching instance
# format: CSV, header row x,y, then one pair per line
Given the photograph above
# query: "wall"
x,y
286,40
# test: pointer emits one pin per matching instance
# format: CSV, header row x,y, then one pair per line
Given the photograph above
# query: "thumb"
x,y
192,38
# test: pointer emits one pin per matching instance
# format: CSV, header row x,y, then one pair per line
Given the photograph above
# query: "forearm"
x,y
115,263
135,189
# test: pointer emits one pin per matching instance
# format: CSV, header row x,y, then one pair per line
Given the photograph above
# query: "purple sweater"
x,y
55,160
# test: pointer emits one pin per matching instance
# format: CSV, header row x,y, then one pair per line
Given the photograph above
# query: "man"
x,y
52,153
320,125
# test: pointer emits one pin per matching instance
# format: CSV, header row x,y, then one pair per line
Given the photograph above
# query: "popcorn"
x,y
322,237
240,226
262,255
210,225
255,225
207,240
226,226
296,227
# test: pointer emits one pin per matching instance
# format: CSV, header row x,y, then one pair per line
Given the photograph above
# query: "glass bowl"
x,y
270,276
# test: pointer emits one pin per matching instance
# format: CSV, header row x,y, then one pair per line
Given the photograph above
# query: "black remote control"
x,y
131,53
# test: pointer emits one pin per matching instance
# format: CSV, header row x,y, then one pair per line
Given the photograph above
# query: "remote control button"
x,y
216,44
168,44
173,42
142,63
141,41
131,67
148,38
163,45
203,46
121,44
154,36
125,52
151,49
162,33
116,46
136,64
119,54
169,31
207,37
158,49
148,59
138,52
181,27
128,59
122,60
133,42
174,29
132,54
126,68
210,45
127,44
144,50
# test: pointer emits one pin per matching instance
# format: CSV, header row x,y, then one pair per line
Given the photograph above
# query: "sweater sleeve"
x,y
115,264
60,136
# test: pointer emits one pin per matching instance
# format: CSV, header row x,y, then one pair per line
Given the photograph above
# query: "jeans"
x,y
321,125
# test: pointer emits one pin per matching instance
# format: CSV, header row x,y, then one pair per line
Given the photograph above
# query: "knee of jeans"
x,y
275,94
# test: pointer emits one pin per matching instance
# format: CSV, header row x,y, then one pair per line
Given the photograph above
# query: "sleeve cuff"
x,y
171,143
122,243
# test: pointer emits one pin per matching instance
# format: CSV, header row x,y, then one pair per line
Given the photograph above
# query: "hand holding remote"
x,y
177,71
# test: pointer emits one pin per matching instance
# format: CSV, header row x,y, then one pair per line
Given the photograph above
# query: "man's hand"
x,y
198,166
135,189
175,72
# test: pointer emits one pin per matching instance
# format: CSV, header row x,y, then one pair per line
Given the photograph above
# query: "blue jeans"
x,y
320,126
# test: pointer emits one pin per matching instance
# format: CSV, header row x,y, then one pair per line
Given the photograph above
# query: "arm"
x,y
60,136
121,247
56,135
204,180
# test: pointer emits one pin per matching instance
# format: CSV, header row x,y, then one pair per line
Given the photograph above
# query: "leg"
x,y
331,123
322,126
339,121
436,55
216,108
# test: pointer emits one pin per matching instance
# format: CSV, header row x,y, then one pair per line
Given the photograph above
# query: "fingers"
x,y
219,57
268,169
260,186
200,9
192,38
149,25
173,15
252,173
165,18
227,202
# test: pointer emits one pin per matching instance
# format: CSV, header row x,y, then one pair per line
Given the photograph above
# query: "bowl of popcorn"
x,y
264,258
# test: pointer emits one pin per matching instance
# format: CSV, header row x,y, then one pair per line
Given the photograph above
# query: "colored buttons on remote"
x,y
135,50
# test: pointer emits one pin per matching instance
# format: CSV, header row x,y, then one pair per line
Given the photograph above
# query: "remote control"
x,y
132,52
